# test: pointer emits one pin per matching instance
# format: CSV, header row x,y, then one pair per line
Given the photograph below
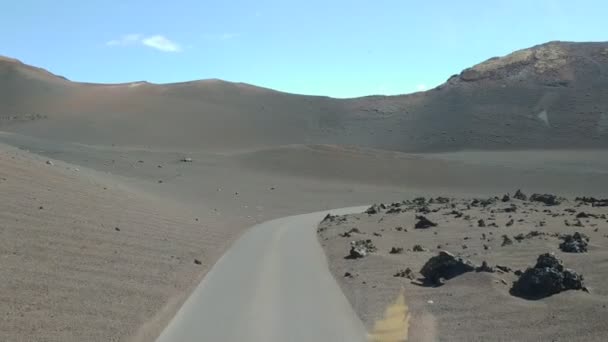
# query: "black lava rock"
x,y
424,223
396,250
546,278
547,199
445,266
575,243
520,196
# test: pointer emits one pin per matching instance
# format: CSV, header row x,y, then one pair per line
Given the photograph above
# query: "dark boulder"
x,y
445,266
546,278
424,223
547,199
575,243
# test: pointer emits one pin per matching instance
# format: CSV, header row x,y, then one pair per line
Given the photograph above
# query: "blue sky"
x,y
323,47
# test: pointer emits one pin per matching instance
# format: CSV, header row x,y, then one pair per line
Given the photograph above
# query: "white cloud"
x,y
158,42
127,39
421,87
161,43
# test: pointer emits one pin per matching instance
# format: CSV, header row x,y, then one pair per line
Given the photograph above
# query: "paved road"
x,y
272,285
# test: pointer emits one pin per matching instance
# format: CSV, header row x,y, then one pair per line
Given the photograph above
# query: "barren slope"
x,y
89,260
548,96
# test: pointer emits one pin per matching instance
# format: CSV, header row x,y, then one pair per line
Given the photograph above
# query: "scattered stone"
x,y
456,213
546,278
350,232
465,246
396,250
377,234
481,223
419,201
486,247
398,229
442,200
198,262
510,209
506,241
424,223
334,218
578,223
360,249
485,268
160,181
117,229
393,210
510,223
424,210
406,273
348,275
418,248
505,269
574,243
593,201
374,209
445,266
547,199
186,160
582,214
506,198
48,162
520,196
483,203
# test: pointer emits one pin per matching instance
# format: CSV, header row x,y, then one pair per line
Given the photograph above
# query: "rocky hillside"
x,y
553,95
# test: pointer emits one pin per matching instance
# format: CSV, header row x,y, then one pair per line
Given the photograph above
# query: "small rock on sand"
x,y
396,250
406,273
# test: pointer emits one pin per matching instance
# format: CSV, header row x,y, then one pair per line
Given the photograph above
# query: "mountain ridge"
x,y
549,96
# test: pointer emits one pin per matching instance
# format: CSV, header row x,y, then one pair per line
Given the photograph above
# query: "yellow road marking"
x,y
395,324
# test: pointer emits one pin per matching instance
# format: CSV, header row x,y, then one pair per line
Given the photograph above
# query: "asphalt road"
x,y
272,285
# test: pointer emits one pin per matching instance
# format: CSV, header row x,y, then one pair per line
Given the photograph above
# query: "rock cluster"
x,y
361,248
574,243
546,278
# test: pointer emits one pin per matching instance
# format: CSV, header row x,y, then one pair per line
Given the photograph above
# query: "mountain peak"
x,y
555,60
